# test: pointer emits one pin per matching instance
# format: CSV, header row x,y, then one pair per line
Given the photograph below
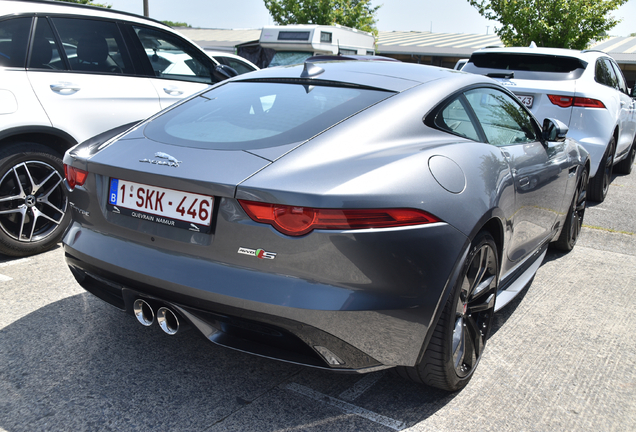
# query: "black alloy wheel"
x,y
574,219
626,165
33,199
459,338
599,184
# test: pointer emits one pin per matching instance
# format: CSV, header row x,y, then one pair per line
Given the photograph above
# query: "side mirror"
x,y
226,71
554,130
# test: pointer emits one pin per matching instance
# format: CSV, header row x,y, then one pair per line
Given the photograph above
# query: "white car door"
x,y
90,87
627,115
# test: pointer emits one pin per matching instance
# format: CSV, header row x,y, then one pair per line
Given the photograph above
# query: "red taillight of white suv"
x,y
568,101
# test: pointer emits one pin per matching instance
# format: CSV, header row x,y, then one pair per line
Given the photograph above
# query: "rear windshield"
x,y
527,66
253,115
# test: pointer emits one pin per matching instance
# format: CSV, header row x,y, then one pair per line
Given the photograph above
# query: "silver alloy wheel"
x,y
33,201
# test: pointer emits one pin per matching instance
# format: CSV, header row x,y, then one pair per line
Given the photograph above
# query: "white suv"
x,y
586,90
69,72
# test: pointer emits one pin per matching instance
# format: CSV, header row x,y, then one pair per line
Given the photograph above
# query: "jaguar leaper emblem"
x,y
170,160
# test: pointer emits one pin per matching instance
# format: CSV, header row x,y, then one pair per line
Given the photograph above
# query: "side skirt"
x,y
515,283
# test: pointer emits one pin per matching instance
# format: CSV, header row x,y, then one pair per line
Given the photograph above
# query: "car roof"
x,y
11,7
392,76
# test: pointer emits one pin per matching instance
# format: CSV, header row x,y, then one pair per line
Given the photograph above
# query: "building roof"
x,y
623,49
438,44
222,39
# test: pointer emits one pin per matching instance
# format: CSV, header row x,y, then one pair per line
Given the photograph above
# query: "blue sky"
x,y
443,16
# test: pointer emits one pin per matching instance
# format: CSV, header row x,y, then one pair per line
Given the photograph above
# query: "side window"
x,y
44,51
620,79
14,35
93,45
502,118
604,74
173,58
613,77
454,119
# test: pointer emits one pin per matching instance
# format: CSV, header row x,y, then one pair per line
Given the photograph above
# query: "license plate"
x,y
160,205
526,100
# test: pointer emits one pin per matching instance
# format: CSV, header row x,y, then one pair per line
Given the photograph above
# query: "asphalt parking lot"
x,y
561,357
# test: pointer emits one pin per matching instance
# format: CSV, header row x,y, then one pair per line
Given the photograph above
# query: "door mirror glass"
x,y
554,130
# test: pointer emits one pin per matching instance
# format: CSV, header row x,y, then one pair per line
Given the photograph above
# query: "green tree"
x,y
88,2
554,23
357,14
176,24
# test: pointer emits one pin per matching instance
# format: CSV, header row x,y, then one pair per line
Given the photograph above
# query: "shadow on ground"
x,y
79,364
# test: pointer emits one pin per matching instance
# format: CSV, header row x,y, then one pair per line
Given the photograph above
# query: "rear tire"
x,y
33,199
460,335
626,165
599,184
574,220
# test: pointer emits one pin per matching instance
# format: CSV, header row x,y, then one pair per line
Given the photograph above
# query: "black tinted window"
x,y
250,115
93,46
526,66
44,51
527,62
605,73
14,35
622,85
173,58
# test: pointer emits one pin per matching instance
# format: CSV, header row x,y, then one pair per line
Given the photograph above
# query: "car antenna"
x,y
311,70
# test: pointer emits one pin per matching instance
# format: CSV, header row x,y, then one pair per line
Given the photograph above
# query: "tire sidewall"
x,y
455,381
12,155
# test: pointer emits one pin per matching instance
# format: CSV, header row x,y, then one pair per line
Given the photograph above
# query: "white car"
x,y
67,73
586,90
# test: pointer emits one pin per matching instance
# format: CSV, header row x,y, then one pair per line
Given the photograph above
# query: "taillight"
x,y
297,221
74,176
588,103
562,101
568,101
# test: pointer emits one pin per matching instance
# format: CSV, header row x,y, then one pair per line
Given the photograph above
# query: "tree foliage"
x,y
176,24
357,14
554,23
88,2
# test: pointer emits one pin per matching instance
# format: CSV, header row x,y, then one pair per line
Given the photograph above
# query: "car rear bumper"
x,y
366,329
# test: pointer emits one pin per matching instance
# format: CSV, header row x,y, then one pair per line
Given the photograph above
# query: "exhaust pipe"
x,y
168,321
143,312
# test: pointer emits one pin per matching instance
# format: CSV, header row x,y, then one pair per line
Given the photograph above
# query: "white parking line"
x,y
4,278
346,407
15,262
361,386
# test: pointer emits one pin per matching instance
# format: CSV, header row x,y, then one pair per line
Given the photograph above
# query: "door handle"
x,y
65,88
173,91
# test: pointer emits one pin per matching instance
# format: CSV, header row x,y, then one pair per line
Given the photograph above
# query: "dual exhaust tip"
x,y
167,319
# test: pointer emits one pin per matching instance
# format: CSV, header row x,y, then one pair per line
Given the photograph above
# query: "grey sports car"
x,y
350,216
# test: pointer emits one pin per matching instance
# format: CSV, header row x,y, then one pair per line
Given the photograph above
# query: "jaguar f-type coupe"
x,y
344,215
